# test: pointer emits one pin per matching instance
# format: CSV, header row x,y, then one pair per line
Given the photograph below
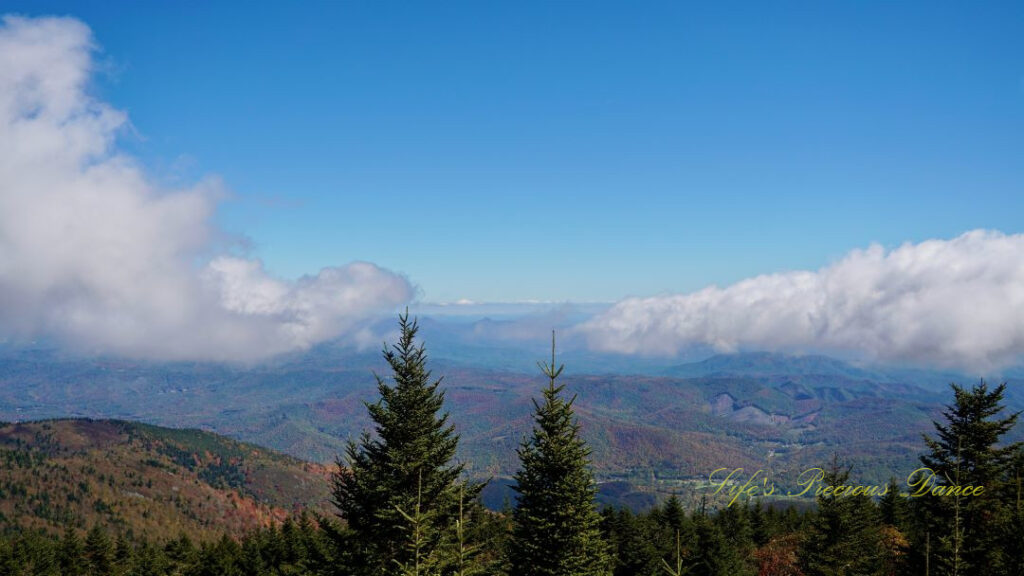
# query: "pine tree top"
x,y
969,437
556,524
412,432
409,462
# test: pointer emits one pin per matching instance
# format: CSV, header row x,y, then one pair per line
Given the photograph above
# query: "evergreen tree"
x,y
99,552
219,559
1013,536
631,543
124,552
29,553
181,552
72,554
463,552
315,540
715,554
556,526
791,520
679,565
150,561
491,531
672,533
672,515
734,522
760,532
844,537
892,506
964,532
408,460
423,559
252,558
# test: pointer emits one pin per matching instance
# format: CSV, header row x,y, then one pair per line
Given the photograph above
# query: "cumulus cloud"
x,y
95,254
955,303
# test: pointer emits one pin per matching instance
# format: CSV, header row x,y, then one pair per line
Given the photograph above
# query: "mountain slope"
x,y
156,481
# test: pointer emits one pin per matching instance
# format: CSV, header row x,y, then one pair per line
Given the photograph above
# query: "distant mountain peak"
x,y
772,364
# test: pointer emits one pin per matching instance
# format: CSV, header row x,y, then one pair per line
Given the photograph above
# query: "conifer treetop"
x,y
555,524
408,464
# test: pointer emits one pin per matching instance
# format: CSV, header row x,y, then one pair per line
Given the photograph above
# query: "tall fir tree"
x,y
556,526
675,536
962,533
407,462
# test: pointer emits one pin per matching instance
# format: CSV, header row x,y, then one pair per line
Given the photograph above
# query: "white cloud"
x,y
954,303
96,255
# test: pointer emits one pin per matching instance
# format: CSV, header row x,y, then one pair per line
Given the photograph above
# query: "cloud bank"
x,y
96,255
953,303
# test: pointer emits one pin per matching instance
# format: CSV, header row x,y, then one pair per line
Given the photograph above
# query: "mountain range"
x,y
657,425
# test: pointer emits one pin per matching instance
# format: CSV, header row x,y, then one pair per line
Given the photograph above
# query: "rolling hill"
x,y
157,482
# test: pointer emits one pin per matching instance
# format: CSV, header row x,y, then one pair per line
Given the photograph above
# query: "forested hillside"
x,y
151,481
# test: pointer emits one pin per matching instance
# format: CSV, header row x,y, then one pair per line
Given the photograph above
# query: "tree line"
x,y
405,508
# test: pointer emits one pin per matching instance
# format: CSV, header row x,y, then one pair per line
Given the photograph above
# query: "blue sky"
x,y
575,151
